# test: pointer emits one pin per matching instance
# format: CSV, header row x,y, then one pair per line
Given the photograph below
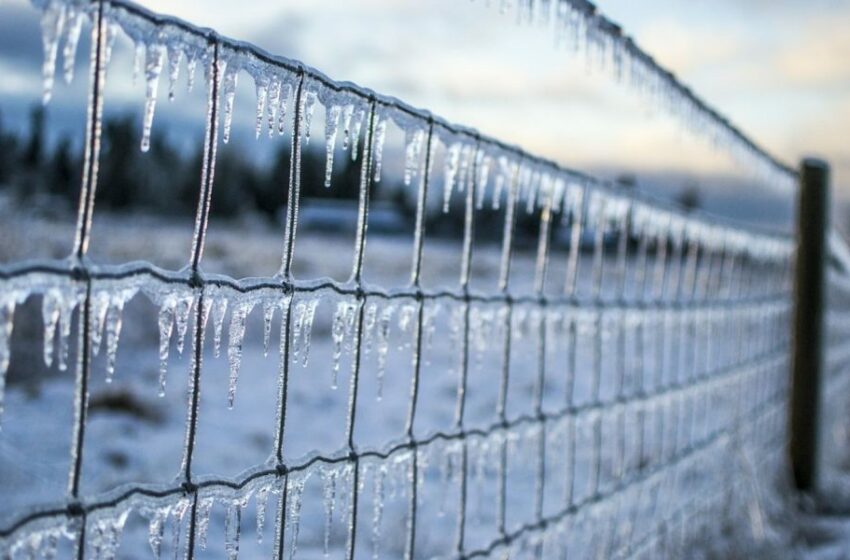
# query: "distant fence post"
x,y
809,299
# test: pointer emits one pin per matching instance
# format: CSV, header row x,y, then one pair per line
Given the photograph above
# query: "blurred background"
x,y
779,70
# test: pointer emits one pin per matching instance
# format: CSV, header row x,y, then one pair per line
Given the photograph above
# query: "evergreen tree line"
x,y
165,180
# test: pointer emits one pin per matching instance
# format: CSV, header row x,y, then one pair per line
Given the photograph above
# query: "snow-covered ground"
x,y
134,436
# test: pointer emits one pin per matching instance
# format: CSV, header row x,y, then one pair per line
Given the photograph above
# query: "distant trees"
x,y
45,173
165,180
689,197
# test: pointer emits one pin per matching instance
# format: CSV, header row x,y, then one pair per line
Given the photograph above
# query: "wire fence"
x,y
632,401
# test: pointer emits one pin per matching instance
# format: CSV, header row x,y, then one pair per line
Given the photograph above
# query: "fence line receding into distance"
x,y
657,371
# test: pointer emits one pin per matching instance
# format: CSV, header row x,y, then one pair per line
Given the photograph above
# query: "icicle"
x,y
219,310
156,530
138,60
451,170
268,316
72,39
339,329
203,520
154,59
181,319
52,25
50,315
106,535
273,103
7,317
307,327
166,326
178,512
429,326
66,312
236,334
113,331
331,128
99,307
347,113
174,56
232,529
329,475
383,345
356,125
297,326
51,546
377,508
262,85
370,316
228,88
262,499
412,152
294,491
281,118
308,106
380,136
483,178
191,64
456,326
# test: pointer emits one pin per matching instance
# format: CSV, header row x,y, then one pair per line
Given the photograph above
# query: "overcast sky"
x,y
779,68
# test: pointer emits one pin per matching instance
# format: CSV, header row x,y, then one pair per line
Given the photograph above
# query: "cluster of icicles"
x,y
578,25
388,480
494,170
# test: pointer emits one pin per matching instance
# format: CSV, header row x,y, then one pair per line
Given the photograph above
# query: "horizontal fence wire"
x,y
665,346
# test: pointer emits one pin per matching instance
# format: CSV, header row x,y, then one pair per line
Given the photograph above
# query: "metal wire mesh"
x,y
667,339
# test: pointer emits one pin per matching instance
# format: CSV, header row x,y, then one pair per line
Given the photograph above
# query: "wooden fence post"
x,y
808,335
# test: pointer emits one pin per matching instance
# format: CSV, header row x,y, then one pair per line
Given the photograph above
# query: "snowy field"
x,y
135,436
